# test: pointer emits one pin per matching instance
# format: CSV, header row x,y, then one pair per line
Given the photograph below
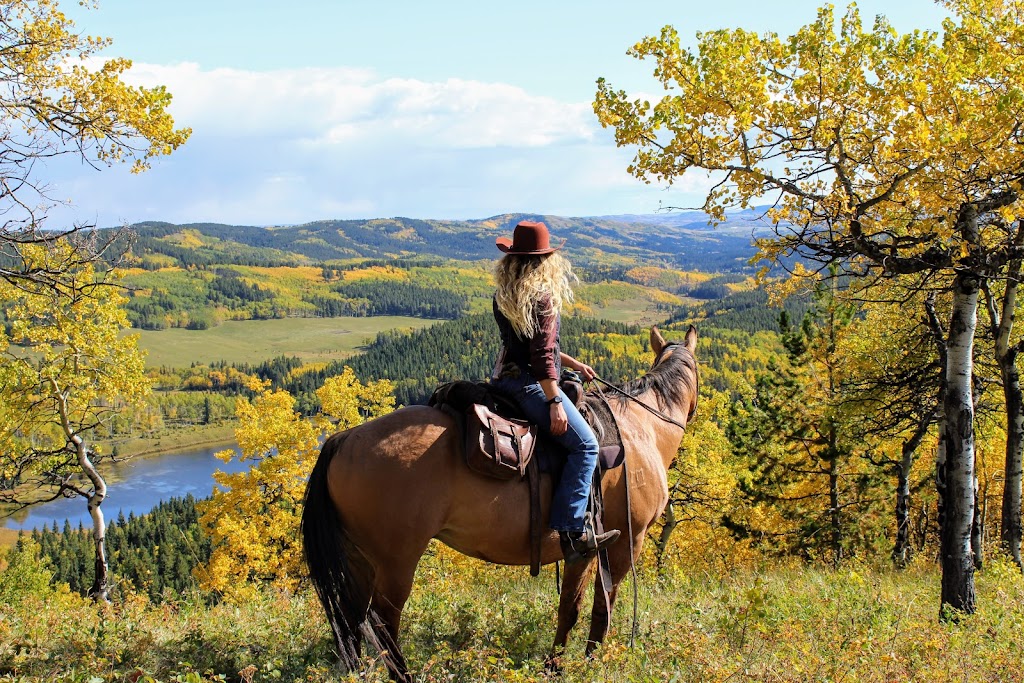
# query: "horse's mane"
x,y
671,380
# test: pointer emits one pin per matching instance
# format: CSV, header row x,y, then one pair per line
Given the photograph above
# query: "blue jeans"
x,y
569,506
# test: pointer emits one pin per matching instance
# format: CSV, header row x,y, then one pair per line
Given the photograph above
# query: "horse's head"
x,y
683,367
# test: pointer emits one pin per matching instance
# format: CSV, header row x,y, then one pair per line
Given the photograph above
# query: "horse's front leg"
x,y
569,603
600,619
600,616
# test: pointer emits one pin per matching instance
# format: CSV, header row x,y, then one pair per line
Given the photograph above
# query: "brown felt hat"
x,y
530,238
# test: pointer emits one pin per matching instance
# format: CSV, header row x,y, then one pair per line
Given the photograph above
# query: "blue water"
x,y
135,486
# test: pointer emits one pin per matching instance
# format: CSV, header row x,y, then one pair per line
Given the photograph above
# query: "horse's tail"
x,y
341,574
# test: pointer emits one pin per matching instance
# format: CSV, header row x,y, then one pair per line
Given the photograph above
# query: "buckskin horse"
x,y
381,491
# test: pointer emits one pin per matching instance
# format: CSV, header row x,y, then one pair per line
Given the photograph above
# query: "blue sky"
x,y
308,110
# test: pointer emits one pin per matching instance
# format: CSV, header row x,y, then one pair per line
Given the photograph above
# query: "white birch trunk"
x,y
100,586
1010,527
958,504
902,550
1011,531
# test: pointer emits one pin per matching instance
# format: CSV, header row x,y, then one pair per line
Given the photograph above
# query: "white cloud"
x,y
290,146
334,106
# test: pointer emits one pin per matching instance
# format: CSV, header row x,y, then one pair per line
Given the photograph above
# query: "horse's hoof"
x,y
553,664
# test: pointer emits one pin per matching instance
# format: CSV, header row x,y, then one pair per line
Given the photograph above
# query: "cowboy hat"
x,y
530,238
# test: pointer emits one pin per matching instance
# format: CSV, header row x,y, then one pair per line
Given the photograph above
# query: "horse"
x,y
382,490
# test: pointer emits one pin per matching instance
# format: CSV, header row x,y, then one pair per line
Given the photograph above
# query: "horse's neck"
x,y
667,435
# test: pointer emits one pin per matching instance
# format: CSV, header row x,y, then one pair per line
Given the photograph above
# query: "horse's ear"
x,y
657,341
690,340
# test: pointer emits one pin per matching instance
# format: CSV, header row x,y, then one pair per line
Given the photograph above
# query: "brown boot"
x,y
581,545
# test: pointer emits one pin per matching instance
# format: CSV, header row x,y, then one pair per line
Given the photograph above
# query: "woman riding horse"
x,y
533,285
380,492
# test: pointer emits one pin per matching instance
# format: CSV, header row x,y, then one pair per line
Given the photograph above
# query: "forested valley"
x,y
846,500
754,482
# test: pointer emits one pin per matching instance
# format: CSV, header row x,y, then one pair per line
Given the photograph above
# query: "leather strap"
x,y
604,565
634,399
533,480
519,449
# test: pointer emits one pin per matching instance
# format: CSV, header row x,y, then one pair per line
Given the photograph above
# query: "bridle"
x,y
631,397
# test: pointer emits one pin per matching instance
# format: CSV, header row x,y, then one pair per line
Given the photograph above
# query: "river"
x,y
135,485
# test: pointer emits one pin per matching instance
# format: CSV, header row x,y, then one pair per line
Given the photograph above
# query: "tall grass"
x,y
467,621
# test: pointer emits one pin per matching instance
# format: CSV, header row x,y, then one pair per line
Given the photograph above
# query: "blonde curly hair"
x,y
526,283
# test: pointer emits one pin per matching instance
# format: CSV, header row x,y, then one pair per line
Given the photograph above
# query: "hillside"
x,y
633,269
681,240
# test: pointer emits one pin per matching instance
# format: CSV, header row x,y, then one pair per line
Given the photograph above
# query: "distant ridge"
x,y
752,220
678,239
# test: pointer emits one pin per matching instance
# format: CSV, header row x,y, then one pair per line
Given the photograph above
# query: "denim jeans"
x,y
569,506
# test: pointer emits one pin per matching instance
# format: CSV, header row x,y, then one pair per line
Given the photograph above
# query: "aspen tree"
x,y
66,370
880,153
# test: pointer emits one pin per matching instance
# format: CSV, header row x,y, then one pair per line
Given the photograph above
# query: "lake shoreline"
x,y
177,440
142,448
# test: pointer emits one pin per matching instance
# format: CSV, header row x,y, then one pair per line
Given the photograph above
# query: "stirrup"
x,y
582,545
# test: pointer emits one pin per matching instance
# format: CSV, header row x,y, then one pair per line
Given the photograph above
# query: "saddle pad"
x,y
601,419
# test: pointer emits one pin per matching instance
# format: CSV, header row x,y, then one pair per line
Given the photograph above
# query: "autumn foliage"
x,y
253,516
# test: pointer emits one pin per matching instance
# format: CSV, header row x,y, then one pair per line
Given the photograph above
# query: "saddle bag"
x,y
497,446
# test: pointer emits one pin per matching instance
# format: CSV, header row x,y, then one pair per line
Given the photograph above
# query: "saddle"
x,y
499,443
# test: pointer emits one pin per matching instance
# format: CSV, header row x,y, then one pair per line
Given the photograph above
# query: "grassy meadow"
x,y
177,439
252,341
632,310
469,621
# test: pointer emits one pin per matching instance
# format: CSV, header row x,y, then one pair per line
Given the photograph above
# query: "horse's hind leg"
x,y
391,590
569,603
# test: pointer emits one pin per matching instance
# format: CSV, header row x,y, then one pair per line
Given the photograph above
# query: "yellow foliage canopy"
x,y
66,367
253,516
868,143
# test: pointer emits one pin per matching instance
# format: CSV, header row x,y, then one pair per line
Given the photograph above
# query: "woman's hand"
x,y
586,372
559,421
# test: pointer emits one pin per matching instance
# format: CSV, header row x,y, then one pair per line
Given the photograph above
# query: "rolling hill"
x,y
680,240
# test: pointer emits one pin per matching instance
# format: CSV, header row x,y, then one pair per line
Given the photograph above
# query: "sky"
x,y
309,110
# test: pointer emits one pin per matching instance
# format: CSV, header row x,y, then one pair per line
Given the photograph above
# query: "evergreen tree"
x,y
799,443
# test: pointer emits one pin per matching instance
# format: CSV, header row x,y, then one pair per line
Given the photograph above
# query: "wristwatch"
x,y
552,401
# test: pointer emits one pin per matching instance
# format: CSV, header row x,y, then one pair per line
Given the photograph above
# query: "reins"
x,y
631,397
625,479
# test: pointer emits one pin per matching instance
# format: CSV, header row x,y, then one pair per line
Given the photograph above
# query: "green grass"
x,y
635,310
470,621
253,341
638,311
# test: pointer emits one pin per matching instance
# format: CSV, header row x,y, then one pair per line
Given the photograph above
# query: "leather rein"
x,y
631,397
629,506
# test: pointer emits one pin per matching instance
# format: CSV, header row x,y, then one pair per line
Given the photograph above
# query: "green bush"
x,y
27,572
